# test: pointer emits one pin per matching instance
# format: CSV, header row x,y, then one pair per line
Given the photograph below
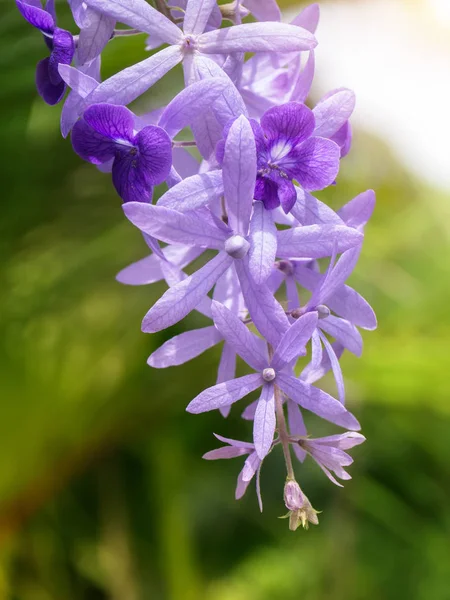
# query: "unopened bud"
x,y
286,267
237,246
230,12
323,311
269,374
297,313
293,497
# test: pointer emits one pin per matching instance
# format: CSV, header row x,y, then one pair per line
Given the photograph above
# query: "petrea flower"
x,y
299,507
140,160
186,45
252,464
287,150
49,83
269,373
328,452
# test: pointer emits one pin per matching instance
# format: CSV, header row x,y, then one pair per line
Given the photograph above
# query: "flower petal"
x,y
154,153
316,241
314,163
256,37
36,16
333,111
358,211
94,36
50,93
184,347
317,401
245,343
90,145
224,394
344,332
182,298
141,16
129,84
263,10
290,124
296,427
197,15
308,210
174,227
193,192
239,174
113,122
293,343
62,53
265,422
335,367
263,243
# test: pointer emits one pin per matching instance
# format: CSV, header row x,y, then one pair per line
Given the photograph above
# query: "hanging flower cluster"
x,y
263,151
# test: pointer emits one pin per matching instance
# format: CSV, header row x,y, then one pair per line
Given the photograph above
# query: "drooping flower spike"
x,y
241,155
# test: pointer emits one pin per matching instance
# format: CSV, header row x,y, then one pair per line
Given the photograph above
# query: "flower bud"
x,y
237,246
293,497
230,11
269,374
286,267
323,311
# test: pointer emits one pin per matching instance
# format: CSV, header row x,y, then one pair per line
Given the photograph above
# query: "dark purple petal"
x,y
266,190
36,15
155,153
287,193
291,122
62,53
112,122
50,93
130,177
314,164
90,145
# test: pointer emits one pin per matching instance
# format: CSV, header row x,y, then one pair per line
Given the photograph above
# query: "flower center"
x,y
237,246
189,43
269,374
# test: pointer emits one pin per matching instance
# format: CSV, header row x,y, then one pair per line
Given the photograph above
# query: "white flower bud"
x,y
237,246
269,374
293,497
323,311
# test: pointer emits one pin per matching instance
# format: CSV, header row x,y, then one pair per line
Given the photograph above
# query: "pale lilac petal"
x,y
256,105
335,367
245,343
184,347
225,393
228,104
316,241
292,293
291,122
308,18
174,227
207,132
266,312
193,101
182,298
302,85
314,163
239,174
197,15
344,332
358,211
258,488
296,427
265,421
86,80
148,269
129,84
316,351
79,82
333,111
94,36
263,10
249,413
293,342
193,192
344,441
141,16
339,274
312,373
241,487
225,452
226,370
248,445
263,243
251,465
184,162
257,37
317,401
308,210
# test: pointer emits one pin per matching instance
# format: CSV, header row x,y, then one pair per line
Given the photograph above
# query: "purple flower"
x,y
269,373
287,150
140,160
49,83
252,463
328,452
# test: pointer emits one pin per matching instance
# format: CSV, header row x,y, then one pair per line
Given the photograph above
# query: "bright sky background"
x,y
395,54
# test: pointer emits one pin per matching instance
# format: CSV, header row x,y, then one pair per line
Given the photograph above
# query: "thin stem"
x,y
163,9
283,432
282,427
176,144
124,32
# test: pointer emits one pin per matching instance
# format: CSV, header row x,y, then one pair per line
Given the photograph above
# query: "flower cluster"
x,y
242,188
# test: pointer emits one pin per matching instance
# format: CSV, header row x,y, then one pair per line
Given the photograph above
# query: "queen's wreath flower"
x,y
239,191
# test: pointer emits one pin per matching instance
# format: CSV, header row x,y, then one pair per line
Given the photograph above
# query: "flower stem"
x,y
163,9
123,32
283,433
188,144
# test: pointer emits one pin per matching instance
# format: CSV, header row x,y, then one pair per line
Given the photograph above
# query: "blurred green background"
x,y
103,492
